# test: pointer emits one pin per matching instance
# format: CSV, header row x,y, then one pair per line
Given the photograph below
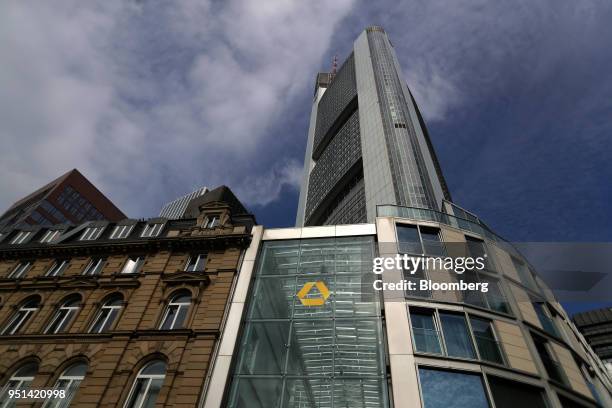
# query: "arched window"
x,y
21,316
107,314
176,311
64,315
20,380
68,382
147,385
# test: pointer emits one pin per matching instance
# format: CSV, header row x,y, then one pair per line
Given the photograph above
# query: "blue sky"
x,y
150,100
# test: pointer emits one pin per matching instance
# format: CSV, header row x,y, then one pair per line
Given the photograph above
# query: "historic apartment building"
x,y
119,314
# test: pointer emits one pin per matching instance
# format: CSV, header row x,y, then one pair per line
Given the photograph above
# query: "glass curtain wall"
x,y
317,351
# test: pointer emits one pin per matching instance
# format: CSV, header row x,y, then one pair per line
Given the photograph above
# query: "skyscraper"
x,y
367,142
176,208
70,198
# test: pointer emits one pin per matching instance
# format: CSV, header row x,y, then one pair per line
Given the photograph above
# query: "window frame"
x,y
149,379
21,238
121,231
27,313
92,233
93,265
20,379
50,236
173,303
421,241
500,349
58,268
22,268
107,305
65,402
212,220
152,230
200,257
66,313
138,260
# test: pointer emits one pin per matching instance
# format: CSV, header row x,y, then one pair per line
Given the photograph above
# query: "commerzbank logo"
x,y
313,301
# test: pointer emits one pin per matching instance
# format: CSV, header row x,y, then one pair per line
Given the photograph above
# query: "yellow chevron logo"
x,y
317,301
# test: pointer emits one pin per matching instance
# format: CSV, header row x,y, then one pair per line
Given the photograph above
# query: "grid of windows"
x,y
329,355
121,231
21,237
58,267
91,233
77,205
94,267
152,230
20,270
54,212
50,236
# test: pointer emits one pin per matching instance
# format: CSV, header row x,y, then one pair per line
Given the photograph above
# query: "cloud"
x,y
149,100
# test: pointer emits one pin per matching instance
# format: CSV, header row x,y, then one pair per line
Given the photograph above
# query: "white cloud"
x,y
149,100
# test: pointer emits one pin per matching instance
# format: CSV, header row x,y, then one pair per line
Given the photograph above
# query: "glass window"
x,y
151,230
63,316
408,239
58,267
456,336
94,267
21,237
545,320
176,312
121,231
487,344
512,394
20,380
20,270
552,367
107,315
431,241
425,333
477,249
91,233
196,263
147,385
211,221
19,318
524,274
69,382
443,389
133,264
50,236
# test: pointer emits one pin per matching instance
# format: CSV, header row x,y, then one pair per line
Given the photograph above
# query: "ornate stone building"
x,y
119,314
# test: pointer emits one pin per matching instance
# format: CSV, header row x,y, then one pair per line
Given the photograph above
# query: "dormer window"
x,y
212,221
91,233
21,237
151,230
121,231
50,236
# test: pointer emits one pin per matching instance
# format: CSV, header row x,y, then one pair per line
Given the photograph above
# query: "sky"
x,y
150,100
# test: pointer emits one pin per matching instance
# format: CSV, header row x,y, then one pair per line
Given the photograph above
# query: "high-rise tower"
x,y
367,142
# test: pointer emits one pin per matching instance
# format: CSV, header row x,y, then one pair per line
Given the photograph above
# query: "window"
x,y
456,336
524,274
419,240
493,299
133,264
477,249
425,333
512,394
91,233
545,319
176,312
18,320
107,315
443,389
552,367
196,263
147,385
151,230
121,231
69,381
21,237
50,236
58,267
211,221
486,342
20,270
20,380
94,267
63,316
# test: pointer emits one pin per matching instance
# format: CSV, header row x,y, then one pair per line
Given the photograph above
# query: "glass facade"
x,y
318,349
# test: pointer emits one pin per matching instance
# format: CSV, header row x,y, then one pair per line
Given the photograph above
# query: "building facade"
x,y
118,314
367,142
70,198
596,326
352,346
175,209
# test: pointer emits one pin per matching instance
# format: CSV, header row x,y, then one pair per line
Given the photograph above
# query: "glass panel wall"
x,y
323,348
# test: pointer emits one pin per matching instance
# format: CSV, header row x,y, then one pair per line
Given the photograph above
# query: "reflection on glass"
x,y
456,336
425,333
485,341
264,348
444,389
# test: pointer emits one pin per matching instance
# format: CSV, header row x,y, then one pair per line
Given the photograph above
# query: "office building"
x,y
119,314
596,327
175,209
70,198
306,327
367,141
